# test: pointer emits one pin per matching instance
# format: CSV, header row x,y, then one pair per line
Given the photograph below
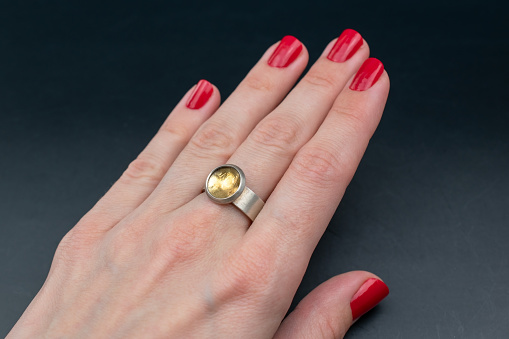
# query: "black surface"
x,y
83,87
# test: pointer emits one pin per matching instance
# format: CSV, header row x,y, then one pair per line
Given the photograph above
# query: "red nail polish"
x,y
286,52
200,95
368,296
345,47
367,75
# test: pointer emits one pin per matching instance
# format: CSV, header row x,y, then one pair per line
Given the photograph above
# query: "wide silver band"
x,y
244,198
249,203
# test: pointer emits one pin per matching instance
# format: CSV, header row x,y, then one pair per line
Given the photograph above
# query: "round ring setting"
x,y
227,184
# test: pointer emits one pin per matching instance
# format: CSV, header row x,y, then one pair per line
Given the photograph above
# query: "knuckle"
x,y
316,166
176,131
73,247
329,327
277,133
182,244
320,79
259,83
234,285
248,273
118,253
214,137
187,238
65,247
353,116
124,246
144,168
126,241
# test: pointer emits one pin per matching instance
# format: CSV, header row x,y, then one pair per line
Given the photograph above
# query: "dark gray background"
x,y
84,86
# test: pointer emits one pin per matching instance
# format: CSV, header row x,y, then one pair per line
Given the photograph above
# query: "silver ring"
x,y
227,184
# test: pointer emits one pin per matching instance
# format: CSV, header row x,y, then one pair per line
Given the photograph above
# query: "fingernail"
x,y
286,52
345,47
368,296
367,75
201,94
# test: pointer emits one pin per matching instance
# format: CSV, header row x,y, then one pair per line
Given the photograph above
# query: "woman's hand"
x,y
157,258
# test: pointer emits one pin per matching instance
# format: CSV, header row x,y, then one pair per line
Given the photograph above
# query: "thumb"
x,y
330,309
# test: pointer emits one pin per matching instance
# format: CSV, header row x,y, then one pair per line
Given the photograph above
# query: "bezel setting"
x,y
234,196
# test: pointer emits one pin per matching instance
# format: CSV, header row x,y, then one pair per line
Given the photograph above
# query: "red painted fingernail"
x,y
286,52
345,47
368,296
201,94
367,75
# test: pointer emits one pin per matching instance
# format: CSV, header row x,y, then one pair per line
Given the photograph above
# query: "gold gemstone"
x,y
224,182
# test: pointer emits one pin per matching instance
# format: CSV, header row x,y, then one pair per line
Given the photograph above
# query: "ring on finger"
x,y
227,184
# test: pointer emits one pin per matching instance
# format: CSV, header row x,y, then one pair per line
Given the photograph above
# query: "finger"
x,y
269,149
146,171
258,94
331,308
298,211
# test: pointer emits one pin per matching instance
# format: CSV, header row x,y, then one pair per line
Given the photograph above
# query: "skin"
x,y
156,258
